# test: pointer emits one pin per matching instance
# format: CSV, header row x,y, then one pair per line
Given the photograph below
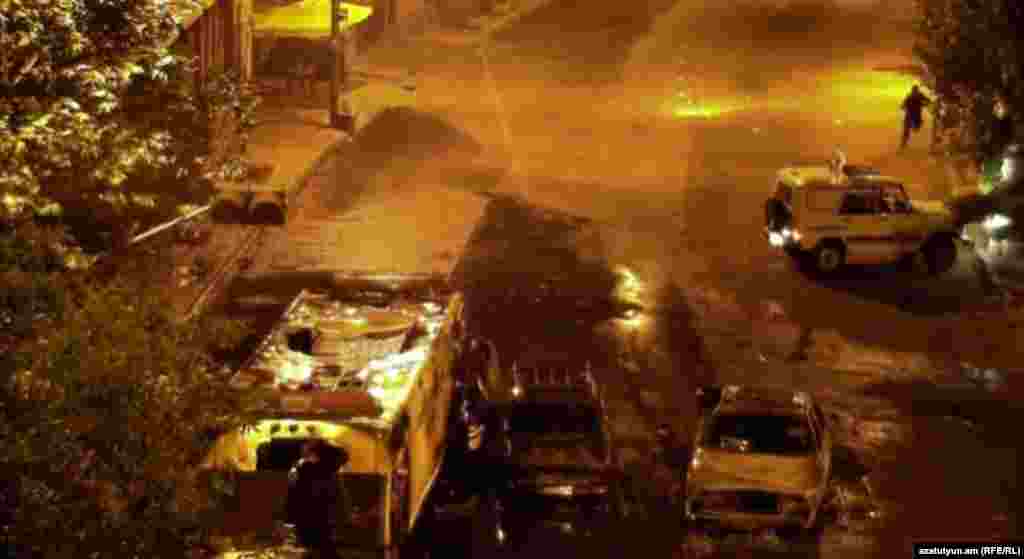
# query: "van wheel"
x,y
940,254
829,257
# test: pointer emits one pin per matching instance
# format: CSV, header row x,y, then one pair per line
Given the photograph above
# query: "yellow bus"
x,y
372,378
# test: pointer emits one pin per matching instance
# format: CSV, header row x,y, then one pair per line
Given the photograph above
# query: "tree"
x,y
95,109
974,55
107,403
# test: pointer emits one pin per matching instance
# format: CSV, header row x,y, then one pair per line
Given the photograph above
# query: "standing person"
x,y
913,113
670,456
1002,128
317,498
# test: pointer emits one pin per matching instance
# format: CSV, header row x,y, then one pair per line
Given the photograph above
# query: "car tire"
x,y
940,254
829,257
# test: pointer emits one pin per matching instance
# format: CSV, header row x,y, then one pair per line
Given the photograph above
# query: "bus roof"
x,y
358,366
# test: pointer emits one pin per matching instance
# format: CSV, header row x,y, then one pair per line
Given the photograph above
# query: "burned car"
x,y
547,440
761,463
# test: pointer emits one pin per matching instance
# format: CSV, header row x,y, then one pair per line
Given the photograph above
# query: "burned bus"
x,y
372,377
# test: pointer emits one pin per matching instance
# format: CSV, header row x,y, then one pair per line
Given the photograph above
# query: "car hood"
x,y
717,469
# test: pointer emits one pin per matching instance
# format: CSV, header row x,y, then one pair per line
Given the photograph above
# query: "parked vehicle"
x,y
547,437
374,379
761,463
998,215
859,217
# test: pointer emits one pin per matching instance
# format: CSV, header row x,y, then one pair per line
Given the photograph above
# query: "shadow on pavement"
x,y
958,476
389,152
405,131
531,291
265,214
898,285
523,274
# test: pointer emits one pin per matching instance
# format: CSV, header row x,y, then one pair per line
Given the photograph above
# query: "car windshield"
x,y
767,434
557,420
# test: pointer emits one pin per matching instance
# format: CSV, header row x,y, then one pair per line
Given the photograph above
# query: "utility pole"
x,y
339,15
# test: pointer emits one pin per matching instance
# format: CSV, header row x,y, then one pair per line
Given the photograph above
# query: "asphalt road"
x,y
600,183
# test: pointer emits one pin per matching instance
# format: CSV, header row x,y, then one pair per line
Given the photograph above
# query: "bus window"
x,y
279,455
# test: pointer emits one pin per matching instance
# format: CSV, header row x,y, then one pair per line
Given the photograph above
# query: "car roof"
x,y
820,176
546,395
764,400
802,175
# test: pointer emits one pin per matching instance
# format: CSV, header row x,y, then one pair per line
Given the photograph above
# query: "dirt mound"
x,y
404,131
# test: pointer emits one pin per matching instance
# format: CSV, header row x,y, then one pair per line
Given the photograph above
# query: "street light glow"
x,y
309,18
698,111
872,85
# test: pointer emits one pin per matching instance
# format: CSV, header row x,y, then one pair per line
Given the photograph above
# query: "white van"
x,y
859,217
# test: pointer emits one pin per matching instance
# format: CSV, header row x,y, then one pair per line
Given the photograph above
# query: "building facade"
x,y
220,37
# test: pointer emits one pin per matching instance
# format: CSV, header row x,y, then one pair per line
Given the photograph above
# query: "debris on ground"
x,y
868,434
775,333
856,505
990,379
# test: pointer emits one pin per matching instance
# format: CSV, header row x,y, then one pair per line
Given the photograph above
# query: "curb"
x,y
303,179
252,238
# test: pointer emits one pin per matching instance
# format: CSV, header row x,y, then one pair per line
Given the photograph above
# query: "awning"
x,y
309,19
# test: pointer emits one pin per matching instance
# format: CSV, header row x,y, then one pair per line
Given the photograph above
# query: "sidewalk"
x,y
389,225
291,142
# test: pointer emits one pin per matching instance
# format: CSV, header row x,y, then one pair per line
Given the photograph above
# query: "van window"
x,y
859,202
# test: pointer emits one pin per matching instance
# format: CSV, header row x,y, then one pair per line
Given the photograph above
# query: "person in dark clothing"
x,y
1002,133
913,113
317,498
671,456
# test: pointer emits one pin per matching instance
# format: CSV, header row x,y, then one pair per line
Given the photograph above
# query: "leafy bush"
x,y
108,402
973,53
96,113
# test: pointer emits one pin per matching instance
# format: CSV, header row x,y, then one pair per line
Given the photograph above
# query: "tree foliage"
x,y
974,54
106,399
96,109
106,406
